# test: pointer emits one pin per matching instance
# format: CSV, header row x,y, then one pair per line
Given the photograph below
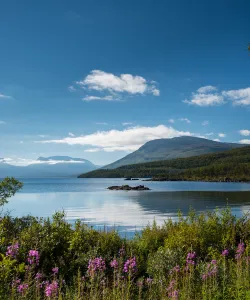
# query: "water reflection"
x,y
127,211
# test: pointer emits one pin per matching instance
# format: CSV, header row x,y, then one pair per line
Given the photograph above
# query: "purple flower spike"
x,y
12,250
55,270
240,250
225,252
33,257
114,264
96,265
130,265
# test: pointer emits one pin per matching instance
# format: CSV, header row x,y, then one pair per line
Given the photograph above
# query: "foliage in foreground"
x,y
202,256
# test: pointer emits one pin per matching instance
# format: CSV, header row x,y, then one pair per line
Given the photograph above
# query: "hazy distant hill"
x,y
178,147
54,166
231,165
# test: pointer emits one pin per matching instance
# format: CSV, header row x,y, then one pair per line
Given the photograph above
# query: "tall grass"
x,y
202,256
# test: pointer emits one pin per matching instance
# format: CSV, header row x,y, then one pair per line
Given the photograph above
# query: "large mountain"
x,y
178,147
54,166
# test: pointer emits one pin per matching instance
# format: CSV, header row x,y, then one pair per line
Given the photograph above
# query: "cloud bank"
x,y
129,139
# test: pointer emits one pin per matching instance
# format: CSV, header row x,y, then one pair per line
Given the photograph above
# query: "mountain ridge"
x,y
177,147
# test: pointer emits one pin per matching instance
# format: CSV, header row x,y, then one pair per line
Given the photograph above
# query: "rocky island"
x,y
128,188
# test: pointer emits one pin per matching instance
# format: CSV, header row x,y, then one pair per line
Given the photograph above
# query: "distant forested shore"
x,y
228,166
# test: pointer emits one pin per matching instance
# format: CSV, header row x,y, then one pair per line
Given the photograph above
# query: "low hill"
x,y
179,147
231,165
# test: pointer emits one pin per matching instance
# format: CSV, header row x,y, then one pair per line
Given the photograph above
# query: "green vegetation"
x,y
232,165
8,187
199,257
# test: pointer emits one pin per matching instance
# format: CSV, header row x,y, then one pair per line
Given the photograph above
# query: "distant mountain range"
x,y
178,147
54,166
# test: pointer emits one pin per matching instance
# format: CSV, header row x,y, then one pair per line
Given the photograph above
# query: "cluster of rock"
x,y
128,188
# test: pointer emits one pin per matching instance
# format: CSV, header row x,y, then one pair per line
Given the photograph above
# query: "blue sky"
x,y
97,79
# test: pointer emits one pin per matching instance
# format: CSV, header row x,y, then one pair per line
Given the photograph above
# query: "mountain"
x,y
54,166
231,165
177,147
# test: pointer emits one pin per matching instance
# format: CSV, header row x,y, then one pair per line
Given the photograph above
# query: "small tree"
x,y
8,187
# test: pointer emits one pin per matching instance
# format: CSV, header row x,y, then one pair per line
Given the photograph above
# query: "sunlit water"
x,y
128,211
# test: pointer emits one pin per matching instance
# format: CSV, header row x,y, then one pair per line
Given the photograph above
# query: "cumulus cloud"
x,y
207,89
71,134
222,135
216,140
205,123
209,134
171,121
4,96
129,139
246,141
244,132
114,87
100,81
239,97
185,120
206,96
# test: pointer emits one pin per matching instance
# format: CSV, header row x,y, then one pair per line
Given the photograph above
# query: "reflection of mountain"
x,y
171,202
54,166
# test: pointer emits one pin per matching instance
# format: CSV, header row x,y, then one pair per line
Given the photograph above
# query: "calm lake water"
x,y
89,200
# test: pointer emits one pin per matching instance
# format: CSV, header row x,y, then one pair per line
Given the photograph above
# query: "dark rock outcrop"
x,y
128,188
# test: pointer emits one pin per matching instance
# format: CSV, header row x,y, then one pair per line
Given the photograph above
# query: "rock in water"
x,y
128,188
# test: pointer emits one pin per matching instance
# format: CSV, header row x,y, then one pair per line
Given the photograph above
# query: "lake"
x,y
89,200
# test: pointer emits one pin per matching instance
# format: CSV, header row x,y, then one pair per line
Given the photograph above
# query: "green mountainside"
x,y
162,149
231,165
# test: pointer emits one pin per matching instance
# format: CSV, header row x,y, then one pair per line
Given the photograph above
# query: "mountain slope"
x,y
231,165
54,166
178,147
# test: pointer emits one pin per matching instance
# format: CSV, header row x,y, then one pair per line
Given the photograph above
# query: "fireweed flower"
x,y
175,269
96,265
33,257
122,252
16,282
171,290
114,264
55,270
51,289
38,276
22,288
211,270
12,250
240,250
225,252
130,265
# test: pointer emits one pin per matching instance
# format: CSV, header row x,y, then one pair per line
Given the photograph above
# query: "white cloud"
x,y
171,121
239,97
205,123
41,135
104,98
129,139
246,141
244,132
205,99
71,134
222,135
125,83
185,120
216,140
71,88
4,96
2,122
209,134
18,161
207,89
